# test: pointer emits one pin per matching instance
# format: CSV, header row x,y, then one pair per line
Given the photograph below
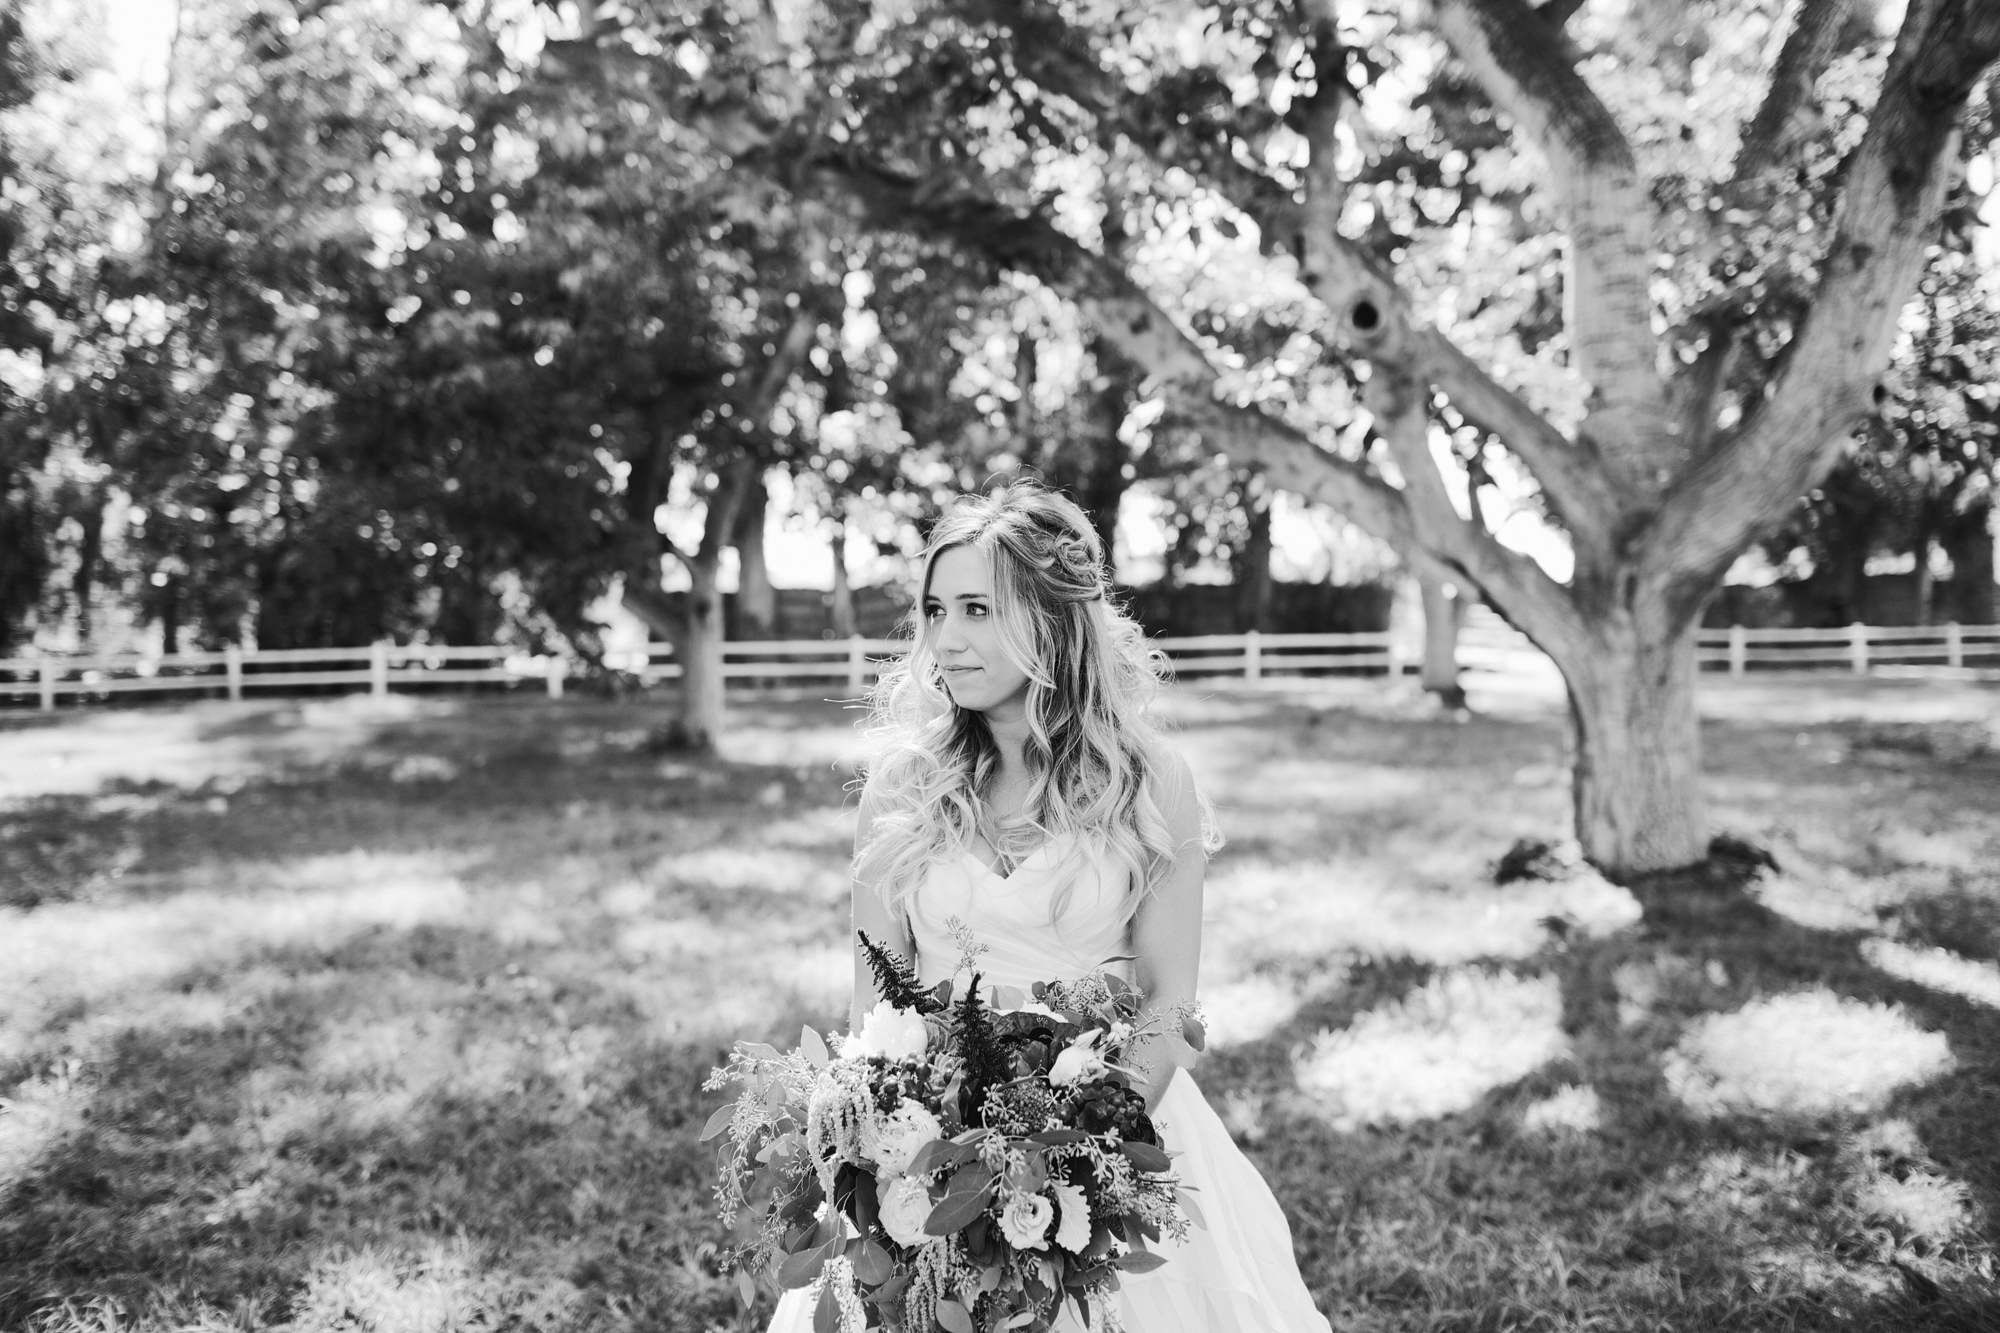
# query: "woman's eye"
x,y
976,611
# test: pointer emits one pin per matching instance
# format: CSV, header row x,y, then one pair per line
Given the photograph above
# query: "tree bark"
x,y
1926,589
756,599
1255,609
1443,614
1636,779
841,606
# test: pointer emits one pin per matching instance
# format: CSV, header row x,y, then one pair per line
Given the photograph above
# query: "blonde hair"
x,y
1094,759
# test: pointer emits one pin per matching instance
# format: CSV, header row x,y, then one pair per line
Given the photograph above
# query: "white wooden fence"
x,y
852,663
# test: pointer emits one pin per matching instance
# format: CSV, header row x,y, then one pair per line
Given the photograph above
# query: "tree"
x,y
1920,480
1658,481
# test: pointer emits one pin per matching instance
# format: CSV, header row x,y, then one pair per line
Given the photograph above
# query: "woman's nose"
x,y
951,635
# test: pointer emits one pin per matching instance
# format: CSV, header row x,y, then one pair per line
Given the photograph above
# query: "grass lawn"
x,y
335,1015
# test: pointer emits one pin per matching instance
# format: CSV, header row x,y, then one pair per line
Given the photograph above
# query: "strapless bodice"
x,y
1061,913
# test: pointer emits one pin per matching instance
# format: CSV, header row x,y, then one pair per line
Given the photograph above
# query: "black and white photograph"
x,y
999,666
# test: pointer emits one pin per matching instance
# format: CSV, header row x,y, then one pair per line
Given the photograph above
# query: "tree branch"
x,y
1886,218
1771,133
1521,63
1372,318
1557,13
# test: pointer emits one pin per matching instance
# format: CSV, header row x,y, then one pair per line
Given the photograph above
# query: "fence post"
x,y
1857,647
558,668
857,662
48,685
378,668
1738,650
232,665
1954,646
1396,660
1253,656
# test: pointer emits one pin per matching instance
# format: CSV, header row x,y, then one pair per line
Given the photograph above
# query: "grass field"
x,y
334,1015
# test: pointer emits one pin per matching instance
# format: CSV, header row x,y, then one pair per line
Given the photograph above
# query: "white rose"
x,y
900,1135
1078,1063
904,1206
1073,1217
1025,1221
897,1034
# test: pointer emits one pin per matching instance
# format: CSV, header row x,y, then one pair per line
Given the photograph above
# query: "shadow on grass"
x,y
470,1095
407,1129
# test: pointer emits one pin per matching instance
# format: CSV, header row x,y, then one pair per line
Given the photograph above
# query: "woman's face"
x,y
958,616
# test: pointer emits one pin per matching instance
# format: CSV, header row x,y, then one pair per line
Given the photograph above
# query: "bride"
x,y
1021,792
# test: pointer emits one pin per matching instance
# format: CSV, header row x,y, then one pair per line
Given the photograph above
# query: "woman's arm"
x,y
870,913
1166,931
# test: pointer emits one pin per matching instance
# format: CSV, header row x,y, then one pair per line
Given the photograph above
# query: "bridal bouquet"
x,y
962,1163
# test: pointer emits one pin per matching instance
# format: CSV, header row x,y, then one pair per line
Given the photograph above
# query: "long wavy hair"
x,y
1093,756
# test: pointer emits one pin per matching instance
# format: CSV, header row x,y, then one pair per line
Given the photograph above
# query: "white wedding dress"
x,y
1235,1275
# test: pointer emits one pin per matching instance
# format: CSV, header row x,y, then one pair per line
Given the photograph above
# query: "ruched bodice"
x,y
1061,914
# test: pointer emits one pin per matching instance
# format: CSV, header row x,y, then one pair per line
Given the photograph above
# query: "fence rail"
x,y
381,667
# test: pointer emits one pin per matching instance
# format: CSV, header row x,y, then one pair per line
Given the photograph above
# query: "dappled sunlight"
x,y
1832,899
1259,910
1253,1007
827,828
718,984
1967,848
1437,1050
441,1286
35,1115
776,870
190,745
1329,788
1807,1053
1571,1109
1938,969
71,961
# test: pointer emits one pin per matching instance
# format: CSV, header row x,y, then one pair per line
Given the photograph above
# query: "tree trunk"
x,y
1969,542
842,605
1926,583
1256,607
756,599
1637,749
1443,614
698,639
170,617
89,555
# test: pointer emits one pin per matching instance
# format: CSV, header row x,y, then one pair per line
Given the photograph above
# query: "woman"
x,y
1021,791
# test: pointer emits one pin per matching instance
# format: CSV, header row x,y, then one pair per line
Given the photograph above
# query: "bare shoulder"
x,y
871,806
1174,788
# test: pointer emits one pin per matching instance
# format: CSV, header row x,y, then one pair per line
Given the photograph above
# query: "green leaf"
x,y
1139,1261
1193,1033
1185,1197
872,1264
1145,1156
758,1050
799,1270
746,1287
826,1311
814,1047
954,1317
955,1211
717,1122
972,1176
1058,1137
940,1155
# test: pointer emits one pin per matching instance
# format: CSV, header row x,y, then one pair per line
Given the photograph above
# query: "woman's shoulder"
x,y
1172,778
